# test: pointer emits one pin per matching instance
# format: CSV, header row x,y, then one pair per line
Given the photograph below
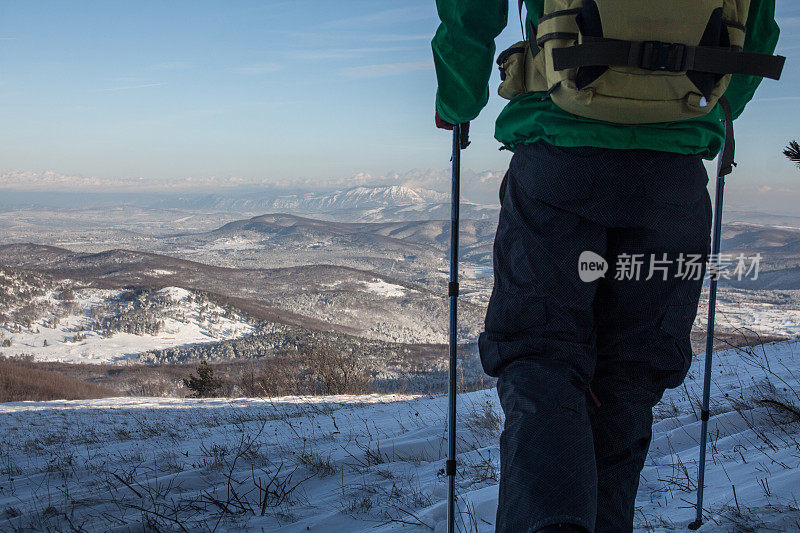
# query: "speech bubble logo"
x,y
591,266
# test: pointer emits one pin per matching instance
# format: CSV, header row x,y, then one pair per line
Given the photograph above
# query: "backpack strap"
x,y
726,162
671,57
532,41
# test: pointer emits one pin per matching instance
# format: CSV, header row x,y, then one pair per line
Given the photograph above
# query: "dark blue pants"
x,y
582,363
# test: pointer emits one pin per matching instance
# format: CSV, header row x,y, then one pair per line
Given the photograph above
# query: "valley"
x,y
158,285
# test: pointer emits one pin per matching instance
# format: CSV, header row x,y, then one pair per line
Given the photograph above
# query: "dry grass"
x,y
20,381
316,372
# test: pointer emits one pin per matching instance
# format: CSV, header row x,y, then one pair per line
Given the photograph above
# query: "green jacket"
x,y
463,52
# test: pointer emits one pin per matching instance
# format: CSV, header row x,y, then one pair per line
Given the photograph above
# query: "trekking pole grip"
x,y
463,135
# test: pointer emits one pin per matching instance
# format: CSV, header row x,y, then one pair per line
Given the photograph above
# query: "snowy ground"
x,y
186,321
758,312
375,463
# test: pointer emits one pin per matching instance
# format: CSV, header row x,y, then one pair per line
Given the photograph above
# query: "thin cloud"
x,y
346,53
324,38
172,65
402,14
398,37
788,22
256,69
8,38
386,69
128,87
779,99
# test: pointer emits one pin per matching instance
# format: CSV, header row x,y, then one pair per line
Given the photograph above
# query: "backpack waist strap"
x,y
671,57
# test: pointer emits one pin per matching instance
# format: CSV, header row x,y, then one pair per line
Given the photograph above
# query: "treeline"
x,y
293,360
22,380
273,339
315,370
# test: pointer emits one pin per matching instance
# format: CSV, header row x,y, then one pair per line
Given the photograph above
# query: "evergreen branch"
x,y
793,152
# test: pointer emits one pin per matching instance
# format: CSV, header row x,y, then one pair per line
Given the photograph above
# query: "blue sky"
x,y
271,89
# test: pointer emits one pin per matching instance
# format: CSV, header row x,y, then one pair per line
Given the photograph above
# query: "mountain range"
x,y
317,296
356,204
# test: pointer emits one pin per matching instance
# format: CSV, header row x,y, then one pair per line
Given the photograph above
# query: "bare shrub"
x,y
20,381
278,376
743,522
215,456
276,489
153,384
316,463
484,419
336,372
283,373
67,295
312,372
483,468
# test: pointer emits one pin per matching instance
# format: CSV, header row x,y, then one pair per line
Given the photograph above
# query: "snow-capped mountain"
x,y
362,198
356,204
413,195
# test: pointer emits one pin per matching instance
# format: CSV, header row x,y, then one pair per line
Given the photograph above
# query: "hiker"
x,y
608,132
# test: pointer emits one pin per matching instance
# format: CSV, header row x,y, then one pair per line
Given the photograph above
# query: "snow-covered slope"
x,y
375,463
300,296
107,325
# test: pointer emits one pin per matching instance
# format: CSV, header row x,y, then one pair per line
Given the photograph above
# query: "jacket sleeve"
x,y
463,53
762,38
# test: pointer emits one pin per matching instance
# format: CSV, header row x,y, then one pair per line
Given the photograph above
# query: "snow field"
x,y
184,323
384,288
754,318
374,463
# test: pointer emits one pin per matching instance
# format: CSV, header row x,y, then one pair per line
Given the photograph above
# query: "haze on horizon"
x,y
288,95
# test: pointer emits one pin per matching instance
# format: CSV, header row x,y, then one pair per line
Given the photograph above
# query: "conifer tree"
x,y
204,384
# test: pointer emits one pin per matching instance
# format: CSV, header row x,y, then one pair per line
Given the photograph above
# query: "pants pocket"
x,y
675,353
514,325
512,313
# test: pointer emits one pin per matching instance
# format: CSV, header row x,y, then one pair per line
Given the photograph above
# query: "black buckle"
x,y
656,55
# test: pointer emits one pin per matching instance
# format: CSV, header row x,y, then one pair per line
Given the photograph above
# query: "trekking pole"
x,y
460,141
724,167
